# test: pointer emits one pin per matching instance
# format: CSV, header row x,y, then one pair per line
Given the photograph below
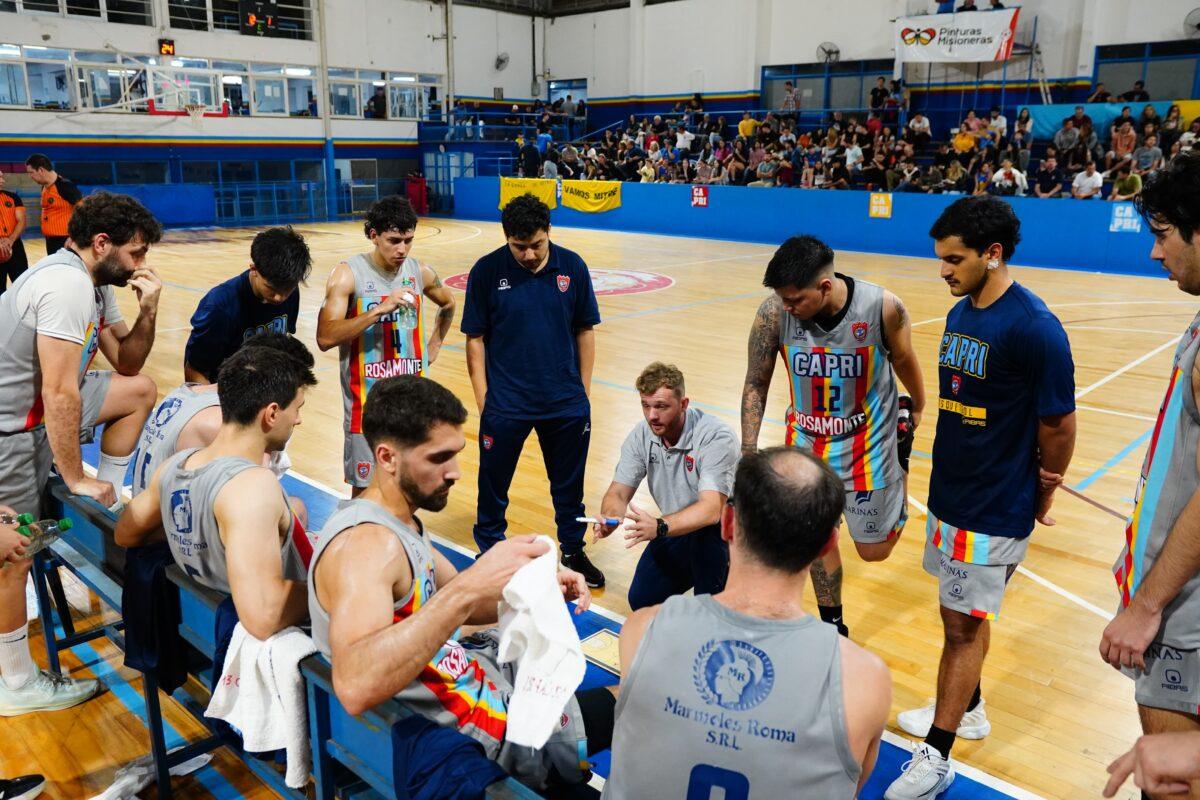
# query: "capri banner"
x,y
544,190
591,196
968,37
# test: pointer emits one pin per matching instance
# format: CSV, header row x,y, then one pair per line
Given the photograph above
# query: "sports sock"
x,y
833,616
112,469
940,740
16,663
975,698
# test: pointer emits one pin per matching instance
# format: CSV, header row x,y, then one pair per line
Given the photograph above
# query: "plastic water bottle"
x,y
407,317
15,519
42,534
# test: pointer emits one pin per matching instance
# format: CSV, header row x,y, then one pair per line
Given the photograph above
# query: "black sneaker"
x,y
26,787
580,563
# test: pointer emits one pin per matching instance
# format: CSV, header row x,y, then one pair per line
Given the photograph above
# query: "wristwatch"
x,y
662,528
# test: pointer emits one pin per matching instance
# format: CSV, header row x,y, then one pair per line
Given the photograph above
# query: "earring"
x,y
993,264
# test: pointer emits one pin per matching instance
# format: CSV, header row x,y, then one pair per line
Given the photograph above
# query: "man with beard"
x,y
385,604
52,322
224,515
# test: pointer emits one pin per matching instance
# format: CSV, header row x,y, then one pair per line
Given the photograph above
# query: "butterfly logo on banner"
x,y
911,36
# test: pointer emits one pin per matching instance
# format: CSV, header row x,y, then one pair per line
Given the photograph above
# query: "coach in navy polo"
x,y
528,320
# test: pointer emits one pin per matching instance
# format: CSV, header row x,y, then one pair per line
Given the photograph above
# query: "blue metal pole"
x,y
331,209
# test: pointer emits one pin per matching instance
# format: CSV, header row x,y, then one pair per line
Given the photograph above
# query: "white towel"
x,y
536,631
261,693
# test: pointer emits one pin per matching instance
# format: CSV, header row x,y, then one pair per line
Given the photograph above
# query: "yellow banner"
x,y
591,196
544,190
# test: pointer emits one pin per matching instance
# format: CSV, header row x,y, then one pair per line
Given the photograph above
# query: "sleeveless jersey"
x,y
186,501
753,706
455,688
20,369
161,433
844,400
384,349
1167,482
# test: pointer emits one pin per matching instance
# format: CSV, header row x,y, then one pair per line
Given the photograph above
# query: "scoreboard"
x,y
259,17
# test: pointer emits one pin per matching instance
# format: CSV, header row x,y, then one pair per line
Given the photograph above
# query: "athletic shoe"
x,y
923,777
918,721
26,787
581,564
46,692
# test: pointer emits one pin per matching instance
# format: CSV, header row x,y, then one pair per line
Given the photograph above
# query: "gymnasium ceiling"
x,y
550,8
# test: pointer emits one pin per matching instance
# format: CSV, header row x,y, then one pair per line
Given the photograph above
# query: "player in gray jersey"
x,y
1155,636
224,516
372,314
385,604
843,343
743,690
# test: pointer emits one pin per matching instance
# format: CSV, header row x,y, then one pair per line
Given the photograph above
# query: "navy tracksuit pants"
x,y
564,442
698,560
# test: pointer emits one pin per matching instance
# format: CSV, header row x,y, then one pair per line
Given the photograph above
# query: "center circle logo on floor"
x,y
733,674
604,281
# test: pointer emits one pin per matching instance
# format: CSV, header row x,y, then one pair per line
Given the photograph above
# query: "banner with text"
x,y
544,190
975,36
591,196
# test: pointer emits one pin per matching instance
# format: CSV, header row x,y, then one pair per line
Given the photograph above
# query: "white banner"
x,y
974,36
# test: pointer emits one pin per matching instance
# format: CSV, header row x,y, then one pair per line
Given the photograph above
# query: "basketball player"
x,y
263,299
844,342
1005,436
190,417
743,690
372,314
688,458
59,197
13,261
1156,634
225,516
385,604
52,322
12,548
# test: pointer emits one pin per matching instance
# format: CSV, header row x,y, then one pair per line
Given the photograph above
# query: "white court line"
x,y
1118,373
1116,329
1058,590
434,240
1087,303
1146,417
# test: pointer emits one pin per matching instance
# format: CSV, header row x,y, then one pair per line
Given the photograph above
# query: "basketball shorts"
x,y
972,589
358,462
92,392
25,460
1170,681
877,516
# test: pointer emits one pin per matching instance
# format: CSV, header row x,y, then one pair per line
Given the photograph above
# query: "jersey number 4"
x,y
705,778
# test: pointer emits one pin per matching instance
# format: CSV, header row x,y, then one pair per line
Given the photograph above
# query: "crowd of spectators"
x,y
985,154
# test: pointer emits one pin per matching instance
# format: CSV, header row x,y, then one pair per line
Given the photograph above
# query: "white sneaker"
x,y
46,692
923,777
918,721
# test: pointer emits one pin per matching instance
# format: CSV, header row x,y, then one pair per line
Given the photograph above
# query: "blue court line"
x,y
1112,462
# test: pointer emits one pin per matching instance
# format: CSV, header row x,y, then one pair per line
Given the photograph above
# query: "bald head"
x,y
788,505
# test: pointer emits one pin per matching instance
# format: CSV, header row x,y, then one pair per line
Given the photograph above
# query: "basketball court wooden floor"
x,y
1059,714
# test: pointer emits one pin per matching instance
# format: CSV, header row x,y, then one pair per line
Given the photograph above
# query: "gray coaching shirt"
x,y
704,459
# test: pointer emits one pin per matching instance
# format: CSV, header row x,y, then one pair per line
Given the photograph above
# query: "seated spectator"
x,y
655,153
903,177
837,176
684,139
1009,181
756,155
1086,149
224,516
787,137
956,180
942,157
965,144
1024,124
1128,184
874,123
767,170
997,125
747,127
513,118
1124,142
974,124
1048,182
1149,115
1067,136
1148,130
1126,115
646,171
1100,95
1189,137
1171,128
1176,149
1020,147
854,157
376,571
1148,157
767,137
550,166
1137,94
737,162
968,5
919,131
837,122
932,181
696,104
717,129
983,179
1087,184
657,125
874,174
1080,118
833,147
704,171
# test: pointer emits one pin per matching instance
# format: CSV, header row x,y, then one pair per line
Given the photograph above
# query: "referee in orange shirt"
x,y
12,224
59,197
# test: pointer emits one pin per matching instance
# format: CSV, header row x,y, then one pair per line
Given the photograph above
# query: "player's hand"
x,y
12,544
1163,763
574,587
495,568
5,249
916,417
639,527
388,304
1126,638
100,491
601,531
1048,479
147,286
1041,511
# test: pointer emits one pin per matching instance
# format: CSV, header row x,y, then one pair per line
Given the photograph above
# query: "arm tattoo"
x,y
901,312
826,585
760,363
437,282
445,312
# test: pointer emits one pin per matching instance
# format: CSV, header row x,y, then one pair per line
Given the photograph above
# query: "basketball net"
x,y
196,112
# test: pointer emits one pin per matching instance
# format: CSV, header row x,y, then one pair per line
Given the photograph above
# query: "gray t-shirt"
x,y
703,460
1144,156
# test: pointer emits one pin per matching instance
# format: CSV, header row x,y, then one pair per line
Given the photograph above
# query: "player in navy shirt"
x,y
1005,435
528,320
263,299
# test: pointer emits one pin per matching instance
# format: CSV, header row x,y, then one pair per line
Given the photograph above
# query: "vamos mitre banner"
x,y
974,36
